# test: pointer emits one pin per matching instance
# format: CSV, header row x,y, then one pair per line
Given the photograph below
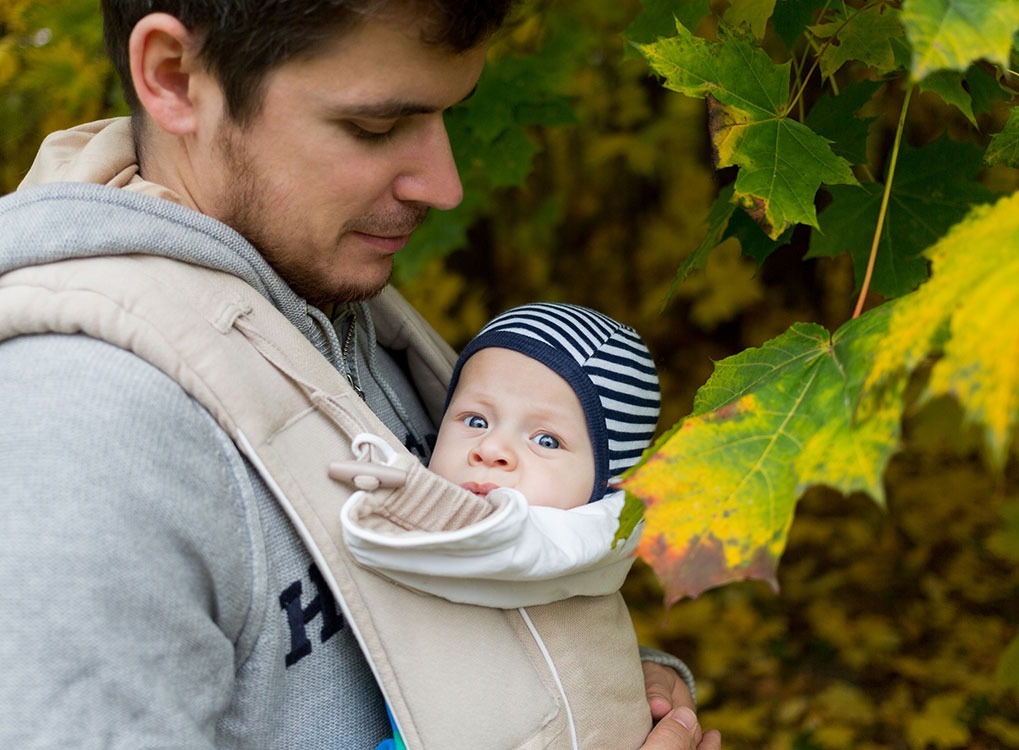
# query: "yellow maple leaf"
x,y
968,315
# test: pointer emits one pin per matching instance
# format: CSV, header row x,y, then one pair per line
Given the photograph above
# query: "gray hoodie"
x,y
152,593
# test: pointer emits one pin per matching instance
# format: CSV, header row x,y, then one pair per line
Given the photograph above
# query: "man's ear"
x,y
164,57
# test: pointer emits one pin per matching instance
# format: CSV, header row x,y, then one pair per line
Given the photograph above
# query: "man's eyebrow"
x,y
391,108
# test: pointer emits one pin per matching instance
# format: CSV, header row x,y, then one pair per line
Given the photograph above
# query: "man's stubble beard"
x,y
246,211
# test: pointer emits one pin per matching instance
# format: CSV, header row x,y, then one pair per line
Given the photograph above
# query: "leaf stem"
x,y
884,205
806,79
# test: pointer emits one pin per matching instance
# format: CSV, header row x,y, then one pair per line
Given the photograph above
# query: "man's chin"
x,y
346,293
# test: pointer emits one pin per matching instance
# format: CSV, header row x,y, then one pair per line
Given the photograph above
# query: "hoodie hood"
x,y
83,197
100,152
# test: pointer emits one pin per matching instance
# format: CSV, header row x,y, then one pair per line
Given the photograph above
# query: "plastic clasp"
x,y
366,474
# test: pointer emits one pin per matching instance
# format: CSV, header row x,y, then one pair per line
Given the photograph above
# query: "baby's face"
x,y
513,422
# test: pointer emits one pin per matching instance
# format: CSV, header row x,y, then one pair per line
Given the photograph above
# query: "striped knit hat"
x,y
605,362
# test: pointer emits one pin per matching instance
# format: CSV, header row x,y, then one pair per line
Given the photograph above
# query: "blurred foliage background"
x,y
588,183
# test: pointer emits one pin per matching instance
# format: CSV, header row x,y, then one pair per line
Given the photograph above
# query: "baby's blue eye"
x,y
546,441
478,423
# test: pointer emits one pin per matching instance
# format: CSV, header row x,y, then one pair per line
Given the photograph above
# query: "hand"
x,y
679,730
665,690
669,698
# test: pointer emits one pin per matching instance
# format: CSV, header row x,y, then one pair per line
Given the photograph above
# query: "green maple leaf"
x,y
865,36
753,242
934,188
725,222
954,33
515,91
967,315
720,488
782,162
948,84
432,241
835,118
753,13
1004,145
791,16
734,71
984,89
718,219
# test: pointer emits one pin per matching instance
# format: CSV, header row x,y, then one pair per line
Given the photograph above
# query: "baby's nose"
x,y
495,452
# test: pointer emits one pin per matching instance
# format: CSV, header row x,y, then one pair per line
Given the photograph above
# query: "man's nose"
x,y
431,176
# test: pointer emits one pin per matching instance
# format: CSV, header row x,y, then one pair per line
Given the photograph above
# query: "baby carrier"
x,y
561,675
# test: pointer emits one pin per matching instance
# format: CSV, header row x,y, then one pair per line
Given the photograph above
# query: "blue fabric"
x,y
396,741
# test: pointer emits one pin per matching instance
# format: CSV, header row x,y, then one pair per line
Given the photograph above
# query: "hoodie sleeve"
x,y
125,561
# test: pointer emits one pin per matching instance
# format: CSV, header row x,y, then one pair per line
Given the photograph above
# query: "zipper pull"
x,y
357,388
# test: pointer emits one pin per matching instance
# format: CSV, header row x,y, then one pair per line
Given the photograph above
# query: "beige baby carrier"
x,y
562,675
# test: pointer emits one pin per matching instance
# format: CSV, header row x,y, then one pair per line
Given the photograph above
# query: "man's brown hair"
x,y
242,41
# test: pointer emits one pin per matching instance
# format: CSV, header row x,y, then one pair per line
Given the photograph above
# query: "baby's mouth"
x,y
479,489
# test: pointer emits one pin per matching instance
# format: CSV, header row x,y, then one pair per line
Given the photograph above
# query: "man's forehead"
x,y
382,72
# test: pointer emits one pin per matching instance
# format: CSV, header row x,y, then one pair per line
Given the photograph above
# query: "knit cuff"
x,y
673,662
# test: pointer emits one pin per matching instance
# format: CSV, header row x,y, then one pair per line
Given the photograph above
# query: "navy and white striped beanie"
x,y
605,362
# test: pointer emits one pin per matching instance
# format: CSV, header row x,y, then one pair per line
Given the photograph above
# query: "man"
x,y
154,593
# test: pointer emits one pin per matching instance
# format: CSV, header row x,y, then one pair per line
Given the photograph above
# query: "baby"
x,y
546,405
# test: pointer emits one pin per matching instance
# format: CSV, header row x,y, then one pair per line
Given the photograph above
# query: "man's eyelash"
x,y
369,135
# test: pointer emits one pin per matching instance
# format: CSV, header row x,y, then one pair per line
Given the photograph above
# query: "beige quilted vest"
x,y
456,676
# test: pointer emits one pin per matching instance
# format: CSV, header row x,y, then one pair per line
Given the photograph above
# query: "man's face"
x,y
513,422
344,159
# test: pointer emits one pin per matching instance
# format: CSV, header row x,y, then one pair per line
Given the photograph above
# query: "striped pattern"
x,y
604,361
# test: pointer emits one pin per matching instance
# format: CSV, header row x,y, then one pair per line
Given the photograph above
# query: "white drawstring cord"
x,y
555,676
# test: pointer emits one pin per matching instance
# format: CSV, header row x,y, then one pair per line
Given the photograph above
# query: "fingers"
x,y
665,690
659,695
659,704
679,730
672,708
712,740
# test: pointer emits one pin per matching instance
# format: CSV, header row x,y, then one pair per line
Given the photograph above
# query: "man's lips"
x,y
386,243
478,488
